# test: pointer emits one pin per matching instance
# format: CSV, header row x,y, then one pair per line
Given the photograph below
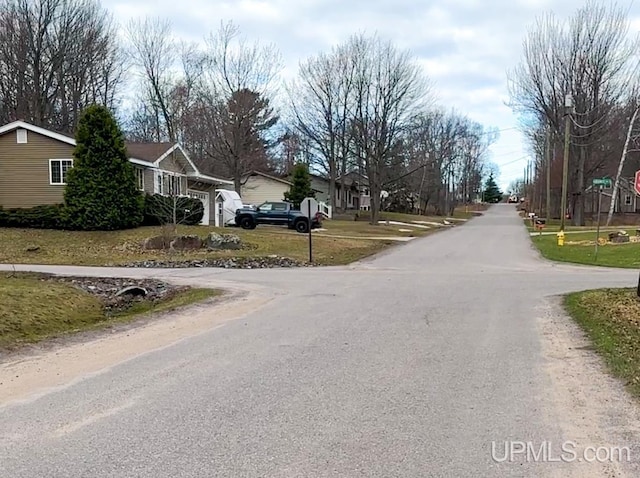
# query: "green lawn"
x,y
32,310
579,248
611,319
37,246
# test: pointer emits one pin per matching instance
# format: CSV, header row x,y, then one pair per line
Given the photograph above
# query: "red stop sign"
x,y
636,183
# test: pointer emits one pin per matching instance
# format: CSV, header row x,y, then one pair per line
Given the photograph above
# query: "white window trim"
x,y
141,171
162,174
51,183
628,200
22,136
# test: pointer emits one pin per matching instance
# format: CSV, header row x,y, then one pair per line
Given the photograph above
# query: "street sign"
x,y
309,207
636,183
604,182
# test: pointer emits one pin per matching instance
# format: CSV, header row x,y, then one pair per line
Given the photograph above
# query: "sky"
x,y
466,47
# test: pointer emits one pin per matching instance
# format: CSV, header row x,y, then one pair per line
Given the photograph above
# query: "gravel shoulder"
x,y
58,363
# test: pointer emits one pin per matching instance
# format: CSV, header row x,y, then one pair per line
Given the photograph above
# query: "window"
x,y
279,206
265,207
627,200
170,184
140,178
21,136
58,169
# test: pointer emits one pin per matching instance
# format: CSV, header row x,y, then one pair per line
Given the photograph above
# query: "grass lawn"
x,y
611,318
580,248
32,310
36,246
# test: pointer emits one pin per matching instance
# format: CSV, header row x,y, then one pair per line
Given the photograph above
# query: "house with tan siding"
x,y
258,187
34,162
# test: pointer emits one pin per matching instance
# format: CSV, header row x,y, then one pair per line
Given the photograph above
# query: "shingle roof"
x,y
147,151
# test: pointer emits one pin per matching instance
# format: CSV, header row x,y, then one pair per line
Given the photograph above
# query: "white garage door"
x,y
204,197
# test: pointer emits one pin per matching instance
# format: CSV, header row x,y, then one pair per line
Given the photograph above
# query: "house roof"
x,y
268,176
147,151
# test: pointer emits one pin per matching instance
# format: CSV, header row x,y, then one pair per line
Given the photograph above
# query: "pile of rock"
x,y
265,262
118,294
214,242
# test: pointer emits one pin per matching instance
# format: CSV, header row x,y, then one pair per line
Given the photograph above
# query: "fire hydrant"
x,y
560,238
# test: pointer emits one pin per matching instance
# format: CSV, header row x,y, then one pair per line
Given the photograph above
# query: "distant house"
x,y
258,187
34,162
355,194
626,203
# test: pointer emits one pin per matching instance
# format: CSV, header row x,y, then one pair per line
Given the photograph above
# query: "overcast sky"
x,y
466,46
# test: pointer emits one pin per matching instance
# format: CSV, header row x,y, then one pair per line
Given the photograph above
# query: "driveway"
x,y
420,362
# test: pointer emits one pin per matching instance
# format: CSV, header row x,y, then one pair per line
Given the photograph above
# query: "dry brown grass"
x,y
611,318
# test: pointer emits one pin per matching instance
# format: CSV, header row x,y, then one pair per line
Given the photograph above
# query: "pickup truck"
x,y
276,213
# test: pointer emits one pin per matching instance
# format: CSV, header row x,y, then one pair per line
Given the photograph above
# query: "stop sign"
x,y
636,183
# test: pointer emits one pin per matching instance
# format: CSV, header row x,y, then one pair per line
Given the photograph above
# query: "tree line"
x,y
576,90
365,106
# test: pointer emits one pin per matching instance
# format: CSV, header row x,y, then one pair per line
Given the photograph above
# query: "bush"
x,y
158,210
39,217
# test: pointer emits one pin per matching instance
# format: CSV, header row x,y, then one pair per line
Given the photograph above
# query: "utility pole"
x,y
568,103
548,171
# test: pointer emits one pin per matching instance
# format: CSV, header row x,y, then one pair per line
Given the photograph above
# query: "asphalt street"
x,y
409,364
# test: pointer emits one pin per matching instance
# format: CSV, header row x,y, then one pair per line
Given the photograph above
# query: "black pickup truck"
x,y
276,213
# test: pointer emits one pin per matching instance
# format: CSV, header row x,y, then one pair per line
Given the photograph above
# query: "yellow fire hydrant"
x,y
560,238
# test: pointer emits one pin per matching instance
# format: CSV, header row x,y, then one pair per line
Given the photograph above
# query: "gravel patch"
x,y
225,263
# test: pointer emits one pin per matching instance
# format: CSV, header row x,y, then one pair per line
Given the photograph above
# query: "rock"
x,y
133,291
33,248
156,243
186,243
264,262
220,242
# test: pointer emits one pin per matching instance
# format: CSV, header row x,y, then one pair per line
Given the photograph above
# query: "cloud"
x,y
465,46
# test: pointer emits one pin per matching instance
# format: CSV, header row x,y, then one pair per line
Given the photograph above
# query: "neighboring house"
x,y
320,184
355,192
258,187
34,162
627,201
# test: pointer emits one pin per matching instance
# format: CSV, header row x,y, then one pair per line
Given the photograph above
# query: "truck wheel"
x,y
302,226
247,223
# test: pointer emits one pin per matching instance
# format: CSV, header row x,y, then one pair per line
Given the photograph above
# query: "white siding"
x,y
259,189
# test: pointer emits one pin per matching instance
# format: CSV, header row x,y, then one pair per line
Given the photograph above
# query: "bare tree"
x,y
389,91
589,57
58,57
321,100
234,100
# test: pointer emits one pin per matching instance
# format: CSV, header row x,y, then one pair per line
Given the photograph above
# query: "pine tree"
x,y
101,191
492,193
301,187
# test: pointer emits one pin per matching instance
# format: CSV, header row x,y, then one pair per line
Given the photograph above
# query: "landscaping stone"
x,y
111,290
265,262
185,243
156,243
618,237
219,242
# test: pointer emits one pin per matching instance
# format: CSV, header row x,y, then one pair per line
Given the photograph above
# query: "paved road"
x,y
407,365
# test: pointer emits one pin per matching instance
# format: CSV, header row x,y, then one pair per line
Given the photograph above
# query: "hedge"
x,y
158,210
39,217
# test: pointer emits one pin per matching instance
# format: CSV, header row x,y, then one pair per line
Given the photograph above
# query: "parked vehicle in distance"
x,y
513,199
276,213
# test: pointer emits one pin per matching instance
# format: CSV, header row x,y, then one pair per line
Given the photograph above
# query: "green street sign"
x,y
604,182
